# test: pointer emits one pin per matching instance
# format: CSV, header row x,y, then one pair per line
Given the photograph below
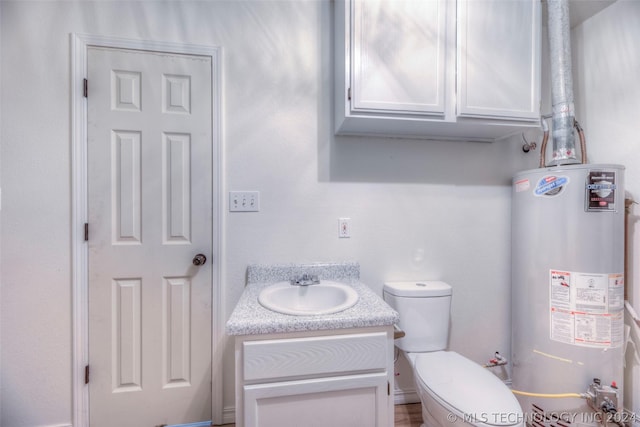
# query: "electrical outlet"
x,y
344,228
244,201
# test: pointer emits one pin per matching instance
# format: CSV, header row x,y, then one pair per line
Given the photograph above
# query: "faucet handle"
x,y
305,280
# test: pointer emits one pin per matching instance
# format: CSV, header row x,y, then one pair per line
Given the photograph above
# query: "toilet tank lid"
x,y
418,289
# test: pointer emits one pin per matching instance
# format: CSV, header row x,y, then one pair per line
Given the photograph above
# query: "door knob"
x,y
199,259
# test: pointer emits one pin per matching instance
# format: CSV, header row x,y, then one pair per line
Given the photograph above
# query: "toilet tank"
x,y
424,308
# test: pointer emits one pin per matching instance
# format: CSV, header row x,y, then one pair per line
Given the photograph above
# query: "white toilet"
x,y
452,389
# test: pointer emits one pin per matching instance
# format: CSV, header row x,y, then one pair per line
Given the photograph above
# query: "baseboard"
x,y
229,415
199,424
400,397
403,397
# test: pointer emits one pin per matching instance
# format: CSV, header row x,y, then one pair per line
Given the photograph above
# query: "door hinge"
x,y
86,374
388,389
349,94
86,231
85,88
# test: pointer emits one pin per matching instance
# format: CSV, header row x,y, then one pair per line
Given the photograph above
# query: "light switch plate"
x,y
244,201
344,228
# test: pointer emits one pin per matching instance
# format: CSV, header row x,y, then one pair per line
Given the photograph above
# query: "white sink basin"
x,y
324,298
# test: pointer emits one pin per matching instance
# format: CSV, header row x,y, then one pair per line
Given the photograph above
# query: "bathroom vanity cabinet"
x,y
312,370
437,69
339,377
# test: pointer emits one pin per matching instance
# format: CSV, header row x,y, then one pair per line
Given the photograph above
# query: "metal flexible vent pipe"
x,y
563,109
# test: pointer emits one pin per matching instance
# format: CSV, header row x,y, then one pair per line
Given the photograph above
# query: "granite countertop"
x,y
251,318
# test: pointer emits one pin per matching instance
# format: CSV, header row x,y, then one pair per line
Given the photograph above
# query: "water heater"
x,y
568,293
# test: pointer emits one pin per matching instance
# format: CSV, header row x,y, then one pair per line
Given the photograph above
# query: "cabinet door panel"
x,y
398,60
308,356
499,58
349,401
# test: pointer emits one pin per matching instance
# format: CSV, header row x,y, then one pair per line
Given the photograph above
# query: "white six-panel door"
x,y
150,213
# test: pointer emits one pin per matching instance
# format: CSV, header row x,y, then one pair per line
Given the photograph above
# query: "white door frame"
x,y
79,212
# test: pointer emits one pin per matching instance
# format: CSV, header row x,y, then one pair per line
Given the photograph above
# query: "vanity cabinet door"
x,y
340,378
498,59
398,60
356,400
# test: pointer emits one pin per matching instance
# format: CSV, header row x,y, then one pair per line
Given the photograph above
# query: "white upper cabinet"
x,y
400,60
498,61
437,69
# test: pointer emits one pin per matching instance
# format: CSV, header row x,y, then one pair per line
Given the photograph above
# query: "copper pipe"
x,y
583,143
628,203
543,148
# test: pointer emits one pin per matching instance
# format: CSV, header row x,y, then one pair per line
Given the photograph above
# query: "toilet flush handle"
x,y
199,260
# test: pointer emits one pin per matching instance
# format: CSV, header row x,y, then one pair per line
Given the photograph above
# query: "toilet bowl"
x,y
455,390
452,388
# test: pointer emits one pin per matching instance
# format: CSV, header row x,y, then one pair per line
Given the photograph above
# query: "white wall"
x,y
1,139
419,210
606,61
606,64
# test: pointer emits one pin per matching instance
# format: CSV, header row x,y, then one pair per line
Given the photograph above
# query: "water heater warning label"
x,y
601,191
586,309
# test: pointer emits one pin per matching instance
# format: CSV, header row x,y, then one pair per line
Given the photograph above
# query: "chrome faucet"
x,y
305,280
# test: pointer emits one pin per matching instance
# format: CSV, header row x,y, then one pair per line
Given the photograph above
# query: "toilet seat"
x,y
467,389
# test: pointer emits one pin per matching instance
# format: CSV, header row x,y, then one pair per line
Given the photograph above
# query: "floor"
x,y
405,416
408,415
